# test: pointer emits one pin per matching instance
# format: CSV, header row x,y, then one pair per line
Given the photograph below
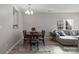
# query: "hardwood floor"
x,y
51,47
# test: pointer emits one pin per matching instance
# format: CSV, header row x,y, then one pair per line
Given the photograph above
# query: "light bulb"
x,y
31,12
27,12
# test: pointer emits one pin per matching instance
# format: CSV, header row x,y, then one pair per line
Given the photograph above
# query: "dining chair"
x,y
42,37
34,41
25,36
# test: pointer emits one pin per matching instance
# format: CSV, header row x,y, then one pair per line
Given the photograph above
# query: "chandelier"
x,y
29,11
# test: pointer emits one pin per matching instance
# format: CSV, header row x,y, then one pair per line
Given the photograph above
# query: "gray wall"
x,y
8,35
48,21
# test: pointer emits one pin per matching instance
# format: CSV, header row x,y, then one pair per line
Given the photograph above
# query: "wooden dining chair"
x,y
25,36
34,41
42,37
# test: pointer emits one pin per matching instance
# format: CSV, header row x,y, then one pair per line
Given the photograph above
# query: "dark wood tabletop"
x,y
34,33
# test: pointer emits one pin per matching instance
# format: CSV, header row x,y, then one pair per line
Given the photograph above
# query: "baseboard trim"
x,y
13,46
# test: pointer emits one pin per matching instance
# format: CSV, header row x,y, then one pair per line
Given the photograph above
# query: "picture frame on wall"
x,y
15,19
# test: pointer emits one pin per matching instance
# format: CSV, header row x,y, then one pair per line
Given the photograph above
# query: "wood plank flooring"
x,y
51,47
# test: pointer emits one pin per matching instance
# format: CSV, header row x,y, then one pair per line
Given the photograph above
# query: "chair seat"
x,y
35,40
41,38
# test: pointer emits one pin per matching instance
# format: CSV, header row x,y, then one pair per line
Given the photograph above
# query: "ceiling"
x,y
50,8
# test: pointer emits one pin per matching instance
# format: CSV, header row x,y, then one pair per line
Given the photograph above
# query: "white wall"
x,y
8,35
48,21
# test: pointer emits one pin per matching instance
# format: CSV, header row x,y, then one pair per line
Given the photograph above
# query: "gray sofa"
x,y
66,37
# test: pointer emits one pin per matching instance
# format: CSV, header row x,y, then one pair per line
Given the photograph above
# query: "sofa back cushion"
x,y
61,33
67,32
71,32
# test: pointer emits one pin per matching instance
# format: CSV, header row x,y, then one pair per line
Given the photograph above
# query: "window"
x,y
65,24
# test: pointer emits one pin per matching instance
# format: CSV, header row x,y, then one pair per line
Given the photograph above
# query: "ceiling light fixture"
x,y
29,11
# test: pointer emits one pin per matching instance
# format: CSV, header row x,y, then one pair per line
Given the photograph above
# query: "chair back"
x,y
43,33
24,33
34,35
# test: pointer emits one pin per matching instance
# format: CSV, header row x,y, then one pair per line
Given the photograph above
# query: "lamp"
x,y
29,11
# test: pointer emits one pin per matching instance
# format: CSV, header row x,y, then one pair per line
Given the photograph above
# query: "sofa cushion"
x,y
70,32
68,40
61,33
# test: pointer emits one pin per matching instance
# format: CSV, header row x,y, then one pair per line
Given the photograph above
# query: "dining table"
x,y
33,36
